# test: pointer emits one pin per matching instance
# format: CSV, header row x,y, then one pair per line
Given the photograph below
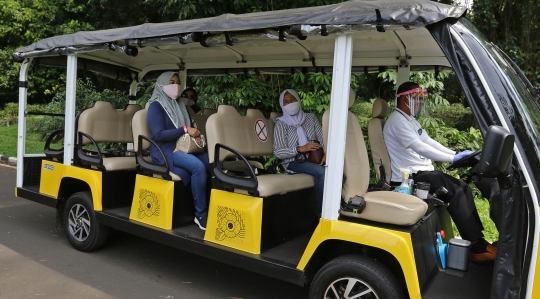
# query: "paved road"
x,y
38,262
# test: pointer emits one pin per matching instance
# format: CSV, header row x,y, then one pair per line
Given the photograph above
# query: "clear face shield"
x,y
416,99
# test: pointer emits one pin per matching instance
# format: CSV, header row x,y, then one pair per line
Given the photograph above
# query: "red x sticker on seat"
x,y
261,130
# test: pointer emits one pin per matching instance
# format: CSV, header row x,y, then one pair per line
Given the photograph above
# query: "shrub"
x,y
10,114
454,116
86,96
469,139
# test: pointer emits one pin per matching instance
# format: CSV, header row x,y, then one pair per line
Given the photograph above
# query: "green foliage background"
x,y
511,25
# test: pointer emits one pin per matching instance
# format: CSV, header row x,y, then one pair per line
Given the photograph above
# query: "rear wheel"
x,y
80,225
353,276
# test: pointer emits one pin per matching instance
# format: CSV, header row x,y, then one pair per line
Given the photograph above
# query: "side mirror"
x,y
497,152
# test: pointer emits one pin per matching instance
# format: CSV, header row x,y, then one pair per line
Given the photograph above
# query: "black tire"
x,y
360,274
82,230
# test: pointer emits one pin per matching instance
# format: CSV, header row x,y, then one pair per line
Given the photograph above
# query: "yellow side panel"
x,y
92,177
536,285
398,244
153,202
51,176
235,220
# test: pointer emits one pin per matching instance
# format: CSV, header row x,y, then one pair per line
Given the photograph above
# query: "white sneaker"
x,y
201,222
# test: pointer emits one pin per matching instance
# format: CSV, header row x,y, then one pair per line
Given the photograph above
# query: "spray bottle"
x,y
404,187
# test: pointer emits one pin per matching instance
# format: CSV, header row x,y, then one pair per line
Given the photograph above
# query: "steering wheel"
x,y
467,161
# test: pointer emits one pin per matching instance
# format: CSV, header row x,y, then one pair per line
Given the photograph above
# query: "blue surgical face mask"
x,y
292,108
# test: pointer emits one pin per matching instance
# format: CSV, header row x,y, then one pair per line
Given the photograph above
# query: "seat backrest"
x,y
106,124
199,120
356,163
139,126
375,126
274,115
208,111
251,135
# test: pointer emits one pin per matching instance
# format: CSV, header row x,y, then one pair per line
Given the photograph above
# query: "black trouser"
x,y
461,202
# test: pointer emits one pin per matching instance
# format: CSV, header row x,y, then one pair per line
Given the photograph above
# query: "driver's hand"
x,y
462,155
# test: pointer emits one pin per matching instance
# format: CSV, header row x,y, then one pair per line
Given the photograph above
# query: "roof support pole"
x,y
21,135
133,92
71,91
132,100
403,75
337,131
183,79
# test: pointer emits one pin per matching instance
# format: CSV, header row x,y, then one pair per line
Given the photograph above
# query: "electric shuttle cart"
x,y
264,223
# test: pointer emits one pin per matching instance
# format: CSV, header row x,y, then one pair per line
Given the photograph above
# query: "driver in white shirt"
x,y
410,147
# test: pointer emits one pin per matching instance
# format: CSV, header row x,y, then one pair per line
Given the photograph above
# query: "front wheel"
x,y
355,276
80,225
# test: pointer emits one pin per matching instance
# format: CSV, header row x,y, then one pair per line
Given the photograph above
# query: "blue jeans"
x,y
198,166
314,170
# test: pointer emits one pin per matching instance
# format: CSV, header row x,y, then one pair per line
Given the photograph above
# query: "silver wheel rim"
x,y
349,288
79,222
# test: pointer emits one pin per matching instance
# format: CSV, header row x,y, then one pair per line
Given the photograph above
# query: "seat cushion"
x,y
174,176
391,207
119,163
273,184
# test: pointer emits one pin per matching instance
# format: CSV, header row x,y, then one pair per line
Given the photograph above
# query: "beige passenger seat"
x,y
103,123
250,135
141,135
379,152
199,120
381,206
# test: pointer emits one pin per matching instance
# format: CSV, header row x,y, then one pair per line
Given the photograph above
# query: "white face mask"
x,y
188,102
292,108
172,90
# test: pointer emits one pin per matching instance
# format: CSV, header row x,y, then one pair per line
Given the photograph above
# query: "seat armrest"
x,y
161,169
92,160
249,183
53,153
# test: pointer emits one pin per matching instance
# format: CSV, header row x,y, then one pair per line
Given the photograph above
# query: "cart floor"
x,y
476,283
288,253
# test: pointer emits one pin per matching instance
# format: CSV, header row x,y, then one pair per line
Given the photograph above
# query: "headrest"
x,y
352,97
380,108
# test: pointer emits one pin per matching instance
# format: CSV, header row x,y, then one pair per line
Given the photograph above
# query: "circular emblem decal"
x,y
261,130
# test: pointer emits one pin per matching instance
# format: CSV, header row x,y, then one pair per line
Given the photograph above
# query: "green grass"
x,y
8,141
490,231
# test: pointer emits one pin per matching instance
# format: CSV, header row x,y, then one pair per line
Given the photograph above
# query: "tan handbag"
x,y
189,145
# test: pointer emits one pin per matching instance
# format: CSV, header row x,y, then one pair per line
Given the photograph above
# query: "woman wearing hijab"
x,y
189,97
294,133
168,119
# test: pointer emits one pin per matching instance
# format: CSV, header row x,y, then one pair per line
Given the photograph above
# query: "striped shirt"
x,y
286,138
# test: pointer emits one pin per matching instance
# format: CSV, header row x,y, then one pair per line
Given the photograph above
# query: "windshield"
x,y
515,94
526,103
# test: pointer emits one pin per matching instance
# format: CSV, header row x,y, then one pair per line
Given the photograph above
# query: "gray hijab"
x,y
177,112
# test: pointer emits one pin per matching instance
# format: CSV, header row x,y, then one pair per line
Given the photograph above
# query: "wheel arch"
x,y
68,187
332,248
